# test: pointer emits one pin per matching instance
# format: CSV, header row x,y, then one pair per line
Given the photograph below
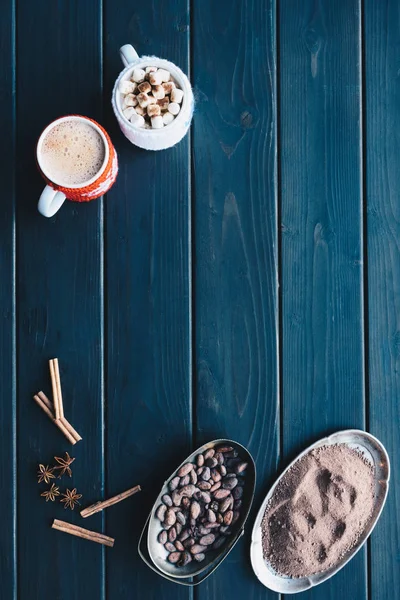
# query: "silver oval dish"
x,y
157,552
375,453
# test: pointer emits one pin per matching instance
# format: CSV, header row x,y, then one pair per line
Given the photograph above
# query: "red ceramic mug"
x,y
78,161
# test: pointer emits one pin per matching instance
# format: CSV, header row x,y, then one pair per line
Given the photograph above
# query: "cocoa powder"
x,y
318,511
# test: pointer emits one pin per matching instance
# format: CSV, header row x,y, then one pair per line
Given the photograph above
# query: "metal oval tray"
x,y
155,555
376,454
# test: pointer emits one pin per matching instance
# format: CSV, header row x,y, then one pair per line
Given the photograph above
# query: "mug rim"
x,y
88,121
147,61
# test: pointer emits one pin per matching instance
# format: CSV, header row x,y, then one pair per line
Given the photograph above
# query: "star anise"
x,y
71,498
45,473
64,465
51,493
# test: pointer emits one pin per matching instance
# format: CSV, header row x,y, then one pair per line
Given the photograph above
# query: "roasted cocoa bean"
x,y
225,504
215,487
194,509
167,500
199,557
240,467
220,519
216,475
176,498
207,540
229,484
222,470
178,527
205,474
204,485
174,557
224,449
188,490
173,484
221,494
161,510
204,530
184,481
209,525
193,476
170,547
219,457
181,518
162,537
228,516
185,469
176,509
197,549
237,493
179,546
237,504
170,517
209,453
200,460
185,559
211,462
211,516
203,497
199,471
184,535
172,534
189,542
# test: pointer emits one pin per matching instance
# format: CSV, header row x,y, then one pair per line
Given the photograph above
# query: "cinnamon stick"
x,y
93,536
59,423
98,506
54,388
63,420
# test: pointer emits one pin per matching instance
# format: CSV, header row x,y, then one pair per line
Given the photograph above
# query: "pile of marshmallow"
x,y
150,98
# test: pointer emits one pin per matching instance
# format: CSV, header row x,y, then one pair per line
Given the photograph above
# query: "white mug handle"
x,y
50,201
128,54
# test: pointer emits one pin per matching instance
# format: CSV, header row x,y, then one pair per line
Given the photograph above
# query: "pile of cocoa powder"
x,y
318,511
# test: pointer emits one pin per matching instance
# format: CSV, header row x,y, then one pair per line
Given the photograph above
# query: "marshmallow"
x,y
128,112
152,100
137,120
151,69
165,75
176,95
130,100
139,110
153,110
126,87
168,87
163,103
155,78
167,118
143,100
144,87
157,122
158,92
174,108
138,75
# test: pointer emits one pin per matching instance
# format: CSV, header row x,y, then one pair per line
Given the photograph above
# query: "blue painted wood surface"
x,y
242,284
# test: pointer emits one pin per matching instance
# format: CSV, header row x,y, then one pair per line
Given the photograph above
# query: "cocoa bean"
x,y
203,497
210,525
225,504
181,518
178,527
200,460
167,499
188,490
204,530
184,535
219,457
230,476
170,517
176,498
237,504
211,516
221,494
199,557
197,549
229,484
185,502
228,517
193,476
204,485
179,546
215,487
173,484
209,453
240,467
218,542
162,537
184,481
174,557
199,471
170,547
189,542
237,493
224,449
231,463
194,509
236,515
207,540
185,559
176,509
211,462
172,534
205,474
220,519
161,510
215,475
185,469
222,470
166,527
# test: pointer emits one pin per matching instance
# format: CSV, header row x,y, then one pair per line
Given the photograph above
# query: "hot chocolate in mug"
x,y
78,161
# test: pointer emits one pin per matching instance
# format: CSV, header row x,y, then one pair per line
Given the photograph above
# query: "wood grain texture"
x,y
59,290
382,94
235,187
322,235
148,305
8,567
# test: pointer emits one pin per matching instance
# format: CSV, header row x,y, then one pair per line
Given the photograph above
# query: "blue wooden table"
x,y
244,284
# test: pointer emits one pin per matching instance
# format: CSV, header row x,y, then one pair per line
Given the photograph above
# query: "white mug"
x,y
153,139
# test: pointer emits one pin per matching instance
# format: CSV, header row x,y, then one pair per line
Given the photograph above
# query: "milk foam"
x,y
72,153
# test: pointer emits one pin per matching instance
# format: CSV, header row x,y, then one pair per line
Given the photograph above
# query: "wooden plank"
x,y
59,274
236,289
148,305
381,33
322,235
8,565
